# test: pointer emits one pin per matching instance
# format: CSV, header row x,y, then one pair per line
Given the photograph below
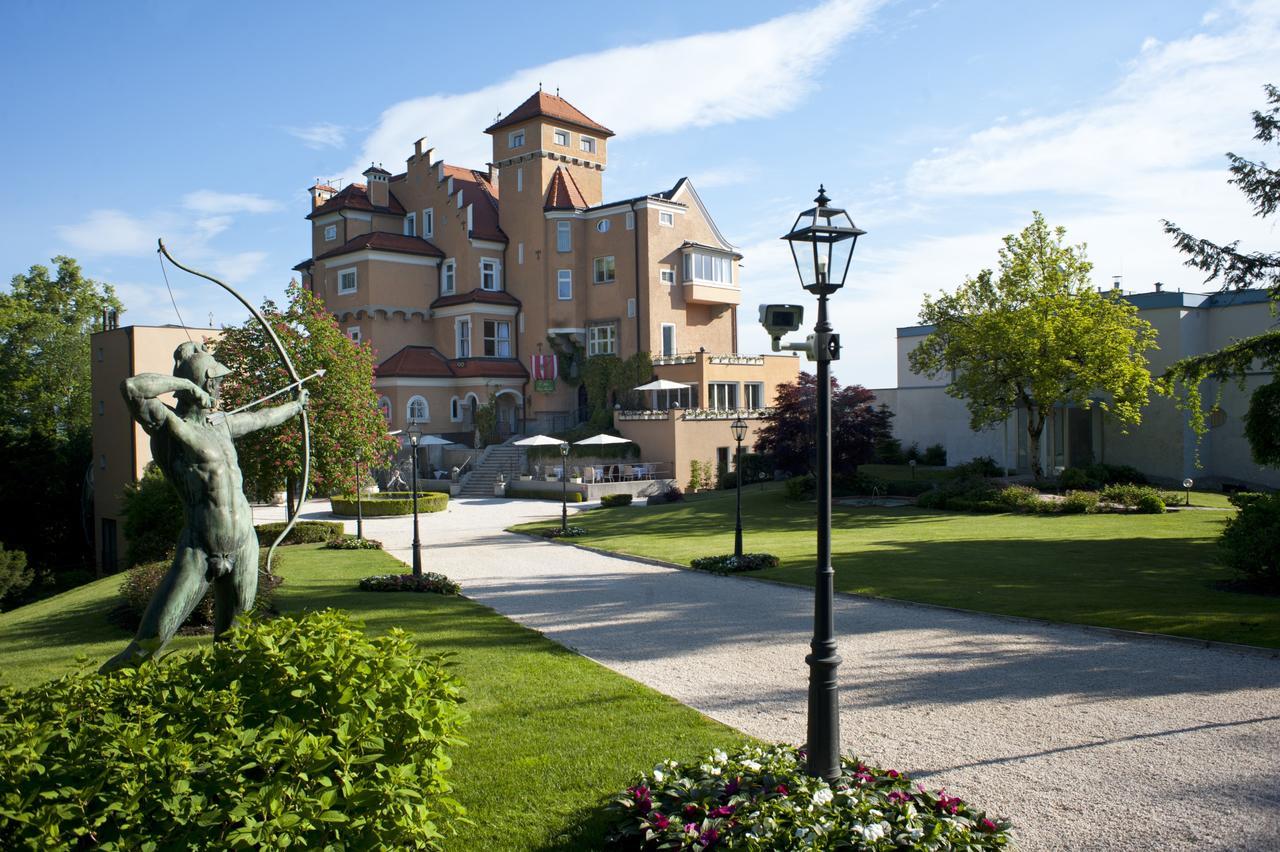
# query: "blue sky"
x,y
939,124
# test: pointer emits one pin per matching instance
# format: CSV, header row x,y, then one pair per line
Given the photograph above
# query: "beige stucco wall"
x,y
681,441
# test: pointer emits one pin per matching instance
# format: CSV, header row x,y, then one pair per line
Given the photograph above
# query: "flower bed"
x,y
729,564
389,503
557,532
760,798
350,542
429,582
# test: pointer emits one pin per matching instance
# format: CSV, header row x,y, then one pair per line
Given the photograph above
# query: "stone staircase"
x,y
500,458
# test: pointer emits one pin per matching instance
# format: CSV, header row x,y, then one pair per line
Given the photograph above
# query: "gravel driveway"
x,y
1084,739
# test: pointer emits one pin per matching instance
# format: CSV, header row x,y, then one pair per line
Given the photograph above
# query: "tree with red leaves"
x,y
856,424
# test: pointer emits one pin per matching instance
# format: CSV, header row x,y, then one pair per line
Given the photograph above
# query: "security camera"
x,y
781,319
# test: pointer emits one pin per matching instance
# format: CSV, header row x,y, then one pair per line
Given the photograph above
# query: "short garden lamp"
x,y
1187,484
564,487
739,429
415,433
822,242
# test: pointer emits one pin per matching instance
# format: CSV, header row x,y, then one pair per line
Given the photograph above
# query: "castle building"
x,y
467,281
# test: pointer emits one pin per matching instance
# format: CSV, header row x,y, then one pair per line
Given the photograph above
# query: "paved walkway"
x,y
1085,740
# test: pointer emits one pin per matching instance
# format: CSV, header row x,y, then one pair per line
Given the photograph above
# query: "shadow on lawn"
x,y
85,622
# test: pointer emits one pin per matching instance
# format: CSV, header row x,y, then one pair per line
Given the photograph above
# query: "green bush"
x,y
1141,498
153,517
968,494
1075,478
305,532
800,487
889,451
761,798
977,466
934,455
301,733
1251,540
350,542
1079,502
389,503
545,493
671,495
141,581
15,574
1110,474
608,501
1020,498
730,564
431,582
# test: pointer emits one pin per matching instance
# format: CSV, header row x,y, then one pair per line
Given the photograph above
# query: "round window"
x,y
602,225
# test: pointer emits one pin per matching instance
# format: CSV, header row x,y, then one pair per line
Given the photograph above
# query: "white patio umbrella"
x,y
538,441
601,440
662,385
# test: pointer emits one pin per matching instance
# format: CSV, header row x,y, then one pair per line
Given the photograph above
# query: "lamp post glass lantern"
x,y
822,242
564,487
415,432
1187,485
739,429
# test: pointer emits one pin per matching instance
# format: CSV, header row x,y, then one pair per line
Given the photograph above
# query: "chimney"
x,y
1115,282
320,193
379,186
417,147
1159,286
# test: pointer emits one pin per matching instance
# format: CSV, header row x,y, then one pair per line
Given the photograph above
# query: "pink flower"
x,y
722,811
988,825
691,809
708,837
690,828
659,821
899,796
893,773
781,790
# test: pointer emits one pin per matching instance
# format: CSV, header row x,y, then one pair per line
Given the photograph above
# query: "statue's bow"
x,y
293,376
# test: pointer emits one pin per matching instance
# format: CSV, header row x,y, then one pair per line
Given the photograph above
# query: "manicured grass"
x,y
552,735
1154,573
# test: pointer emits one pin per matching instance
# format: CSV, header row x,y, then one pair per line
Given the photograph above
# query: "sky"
x,y
940,125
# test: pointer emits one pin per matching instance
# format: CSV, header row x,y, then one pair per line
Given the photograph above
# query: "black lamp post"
x,y
822,242
415,432
359,502
739,429
1187,484
564,487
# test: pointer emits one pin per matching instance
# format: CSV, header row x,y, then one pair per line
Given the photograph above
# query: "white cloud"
x,y
209,201
694,81
106,232
730,174
322,135
238,267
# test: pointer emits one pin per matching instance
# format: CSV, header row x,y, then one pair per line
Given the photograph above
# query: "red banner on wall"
x,y
544,366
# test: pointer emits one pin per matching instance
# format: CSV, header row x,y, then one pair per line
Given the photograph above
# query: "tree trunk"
x,y
1035,428
290,489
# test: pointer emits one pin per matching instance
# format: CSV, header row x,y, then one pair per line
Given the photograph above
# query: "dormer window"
x,y
587,144
516,139
561,137
490,274
410,225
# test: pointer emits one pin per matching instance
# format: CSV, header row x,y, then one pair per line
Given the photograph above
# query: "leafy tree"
x,y
42,509
15,576
343,409
1237,270
153,517
857,425
1035,333
45,323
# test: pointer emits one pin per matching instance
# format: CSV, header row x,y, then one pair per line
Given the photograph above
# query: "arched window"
x,y
418,410
384,405
455,410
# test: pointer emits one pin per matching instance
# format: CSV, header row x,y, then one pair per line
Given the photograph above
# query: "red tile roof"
x,y
355,196
483,297
427,362
483,196
552,106
383,241
563,192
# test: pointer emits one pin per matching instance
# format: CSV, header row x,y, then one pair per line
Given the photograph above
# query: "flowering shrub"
x,y
760,798
729,564
429,582
557,532
141,581
1077,502
350,542
1141,498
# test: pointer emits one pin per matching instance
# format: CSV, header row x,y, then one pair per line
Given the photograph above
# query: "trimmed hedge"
x,y
553,493
608,501
390,503
303,733
306,532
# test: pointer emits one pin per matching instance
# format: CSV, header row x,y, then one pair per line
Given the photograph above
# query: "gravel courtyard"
x,y
1085,740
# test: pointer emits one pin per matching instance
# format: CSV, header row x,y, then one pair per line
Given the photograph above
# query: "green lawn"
x,y
1155,573
551,734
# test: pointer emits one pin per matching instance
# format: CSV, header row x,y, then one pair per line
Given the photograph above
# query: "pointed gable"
x,y
541,103
563,192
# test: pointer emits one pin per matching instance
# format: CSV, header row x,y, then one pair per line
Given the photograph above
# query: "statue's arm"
x,y
265,418
140,394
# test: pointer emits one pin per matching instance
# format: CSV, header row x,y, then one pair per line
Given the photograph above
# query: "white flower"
x,y
658,775
823,796
752,765
718,756
875,831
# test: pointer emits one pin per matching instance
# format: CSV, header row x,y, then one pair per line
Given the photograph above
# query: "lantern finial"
x,y
822,200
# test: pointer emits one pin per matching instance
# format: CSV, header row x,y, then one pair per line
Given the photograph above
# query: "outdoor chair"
x,y
588,474
628,472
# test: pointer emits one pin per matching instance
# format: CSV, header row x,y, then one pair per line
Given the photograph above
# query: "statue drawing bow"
x,y
293,376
